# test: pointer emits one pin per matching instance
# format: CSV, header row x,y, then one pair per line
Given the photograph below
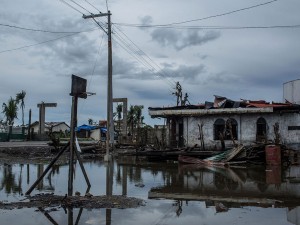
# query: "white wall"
x,y
291,91
246,128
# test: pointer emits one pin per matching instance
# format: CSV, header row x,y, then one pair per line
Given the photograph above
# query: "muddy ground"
x,y
54,202
38,154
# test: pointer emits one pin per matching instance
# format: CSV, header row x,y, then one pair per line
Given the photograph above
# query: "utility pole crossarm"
x,y
95,15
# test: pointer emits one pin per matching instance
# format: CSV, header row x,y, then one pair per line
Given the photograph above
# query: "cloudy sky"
x,y
238,49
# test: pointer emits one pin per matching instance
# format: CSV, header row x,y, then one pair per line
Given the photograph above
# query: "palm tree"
x,y
138,114
134,117
20,99
10,111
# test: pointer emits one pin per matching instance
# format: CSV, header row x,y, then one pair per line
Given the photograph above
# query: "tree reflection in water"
x,y
8,181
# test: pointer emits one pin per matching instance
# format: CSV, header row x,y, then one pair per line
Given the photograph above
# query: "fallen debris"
x,y
223,158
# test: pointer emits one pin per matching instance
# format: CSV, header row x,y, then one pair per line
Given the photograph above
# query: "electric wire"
x,y
98,55
142,60
163,73
226,13
100,25
39,30
204,18
43,42
93,70
92,5
80,6
63,1
211,27
139,54
138,59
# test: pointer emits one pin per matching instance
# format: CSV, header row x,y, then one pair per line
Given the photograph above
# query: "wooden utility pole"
x,y
72,142
110,124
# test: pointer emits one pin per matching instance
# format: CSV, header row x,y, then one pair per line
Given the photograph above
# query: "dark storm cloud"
x,y
187,73
146,20
124,69
181,40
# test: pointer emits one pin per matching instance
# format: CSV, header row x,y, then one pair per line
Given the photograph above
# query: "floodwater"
x,y
173,193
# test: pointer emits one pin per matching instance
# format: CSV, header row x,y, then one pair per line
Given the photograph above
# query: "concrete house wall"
x,y
289,128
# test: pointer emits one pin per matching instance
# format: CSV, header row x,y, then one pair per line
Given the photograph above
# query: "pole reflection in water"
x,y
109,186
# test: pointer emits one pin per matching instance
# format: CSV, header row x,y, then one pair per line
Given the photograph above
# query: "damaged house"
x,y
214,125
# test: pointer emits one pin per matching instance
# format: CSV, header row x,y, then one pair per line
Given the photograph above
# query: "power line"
x,y
204,18
164,74
39,30
151,66
80,6
210,27
92,5
63,1
147,62
27,46
100,25
43,42
226,13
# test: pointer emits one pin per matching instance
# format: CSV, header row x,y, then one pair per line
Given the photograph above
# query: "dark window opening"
x,y
293,127
261,129
231,130
219,127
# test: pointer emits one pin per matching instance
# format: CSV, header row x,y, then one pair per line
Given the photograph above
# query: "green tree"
x,y
20,100
10,110
134,117
138,114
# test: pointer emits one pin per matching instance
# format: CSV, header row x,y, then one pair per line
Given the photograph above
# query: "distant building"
x,y
56,127
291,91
244,121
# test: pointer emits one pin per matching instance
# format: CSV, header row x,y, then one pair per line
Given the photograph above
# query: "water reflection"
x,y
250,186
9,182
184,191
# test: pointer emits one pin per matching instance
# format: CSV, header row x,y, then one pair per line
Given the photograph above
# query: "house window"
x,y
231,129
261,129
225,129
293,127
219,127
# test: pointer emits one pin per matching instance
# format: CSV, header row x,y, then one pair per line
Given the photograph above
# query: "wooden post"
x,y
72,141
29,127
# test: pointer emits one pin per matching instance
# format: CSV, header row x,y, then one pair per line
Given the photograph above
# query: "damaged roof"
x,y
223,105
